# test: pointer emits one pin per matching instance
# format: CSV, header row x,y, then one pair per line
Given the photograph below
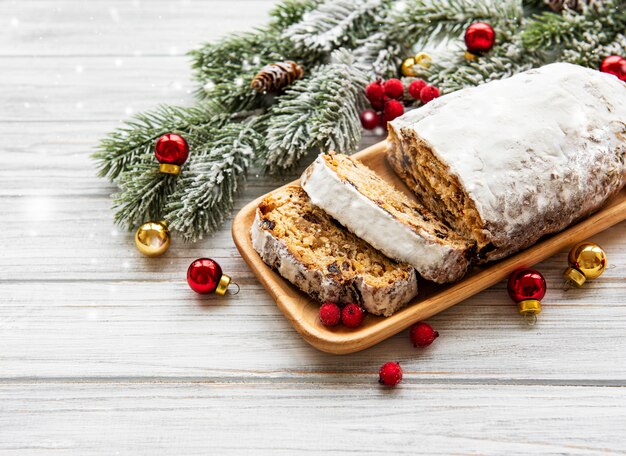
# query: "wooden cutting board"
x,y
302,311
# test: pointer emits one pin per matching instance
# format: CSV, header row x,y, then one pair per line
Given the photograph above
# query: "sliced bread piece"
x,y
316,254
510,161
380,214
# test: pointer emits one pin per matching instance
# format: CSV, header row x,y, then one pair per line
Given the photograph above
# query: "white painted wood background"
x,y
105,352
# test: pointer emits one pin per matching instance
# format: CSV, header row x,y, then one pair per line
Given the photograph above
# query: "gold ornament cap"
x,y
222,286
469,56
529,307
575,277
169,168
587,261
152,239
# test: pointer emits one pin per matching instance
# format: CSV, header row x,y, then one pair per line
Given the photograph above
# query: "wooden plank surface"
x,y
103,351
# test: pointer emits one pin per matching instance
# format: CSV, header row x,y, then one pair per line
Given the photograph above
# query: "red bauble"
x,y
479,38
429,93
369,119
330,314
171,149
527,288
390,374
615,65
394,88
422,334
352,315
393,109
375,93
204,275
415,87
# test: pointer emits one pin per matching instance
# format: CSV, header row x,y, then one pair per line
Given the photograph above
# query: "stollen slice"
x,y
316,254
386,218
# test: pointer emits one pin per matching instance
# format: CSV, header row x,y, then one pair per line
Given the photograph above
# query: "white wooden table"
x,y
105,352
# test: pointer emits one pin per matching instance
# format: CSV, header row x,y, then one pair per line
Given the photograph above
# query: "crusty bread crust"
x,y
323,282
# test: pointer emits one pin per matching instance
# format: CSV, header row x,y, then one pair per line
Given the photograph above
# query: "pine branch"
x,y
456,72
226,60
290,12
590,51
132,144
205,191
321,112
598,25
142,196
334,24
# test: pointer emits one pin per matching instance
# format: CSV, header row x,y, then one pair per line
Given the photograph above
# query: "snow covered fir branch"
x,y
341,46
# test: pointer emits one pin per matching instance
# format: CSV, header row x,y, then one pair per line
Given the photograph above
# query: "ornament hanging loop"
x,y
238,289
530,319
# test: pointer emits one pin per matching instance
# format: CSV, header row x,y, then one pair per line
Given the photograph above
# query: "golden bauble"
x,y
152,239
587,261
408,67
423,59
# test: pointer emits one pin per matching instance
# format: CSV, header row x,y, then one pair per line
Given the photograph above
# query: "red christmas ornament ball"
x,y
369,119
422,334
171,149
330,314
415,87
394,88
615,65
203,275
352,315
479,38
390,374
429,93
393,109
526,284
375,93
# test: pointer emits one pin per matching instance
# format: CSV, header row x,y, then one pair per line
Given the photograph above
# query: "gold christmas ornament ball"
x,y
423,59
587,261
408,67
152,239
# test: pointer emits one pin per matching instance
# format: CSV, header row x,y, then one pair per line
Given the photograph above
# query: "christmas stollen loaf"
x,y
512,160
380,214
312,251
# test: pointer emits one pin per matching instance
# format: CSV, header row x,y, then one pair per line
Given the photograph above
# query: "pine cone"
x,y
276,76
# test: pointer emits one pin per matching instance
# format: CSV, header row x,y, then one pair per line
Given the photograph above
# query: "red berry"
x,y
352,315
422,334
429,93
415,88
369,119
330,314
390,374
375,94
394,88
393,109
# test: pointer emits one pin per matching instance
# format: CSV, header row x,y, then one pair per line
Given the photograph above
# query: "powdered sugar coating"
x,y
534,152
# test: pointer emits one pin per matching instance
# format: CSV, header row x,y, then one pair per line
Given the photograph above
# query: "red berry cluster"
x,y
386,99
351,315
419,90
